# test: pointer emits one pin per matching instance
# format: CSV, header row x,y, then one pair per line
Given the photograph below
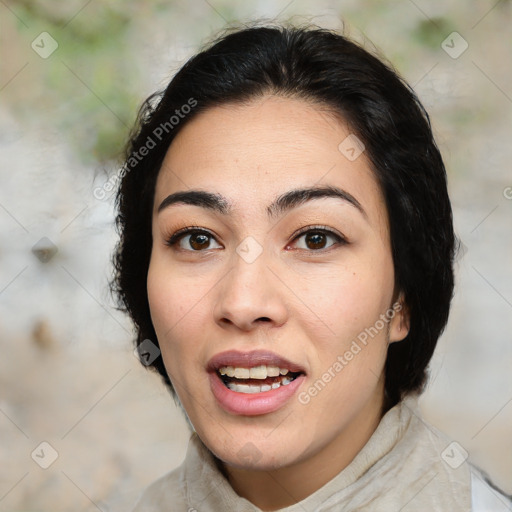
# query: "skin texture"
x,y
305,303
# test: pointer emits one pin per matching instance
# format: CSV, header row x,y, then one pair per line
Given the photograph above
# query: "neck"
x,y
280,488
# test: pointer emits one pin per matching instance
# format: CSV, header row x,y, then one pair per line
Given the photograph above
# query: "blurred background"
x,y
83,426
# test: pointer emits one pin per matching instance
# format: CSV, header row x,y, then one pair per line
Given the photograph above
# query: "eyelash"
x,y
181,233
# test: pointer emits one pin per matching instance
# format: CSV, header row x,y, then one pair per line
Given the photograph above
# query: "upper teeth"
x,y
256,372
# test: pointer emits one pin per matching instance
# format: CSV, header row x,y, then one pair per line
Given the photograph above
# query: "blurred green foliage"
x,y
431,32
90,83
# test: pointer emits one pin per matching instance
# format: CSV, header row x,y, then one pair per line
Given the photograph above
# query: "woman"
x,y
287,244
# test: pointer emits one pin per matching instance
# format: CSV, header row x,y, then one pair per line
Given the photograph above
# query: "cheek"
x,y
177,313
172,295
350,356
352,297
164,305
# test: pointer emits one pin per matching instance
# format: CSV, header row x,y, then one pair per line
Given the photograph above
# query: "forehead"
x,y
251,153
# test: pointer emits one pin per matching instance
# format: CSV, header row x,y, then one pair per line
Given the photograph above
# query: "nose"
x,y
250,297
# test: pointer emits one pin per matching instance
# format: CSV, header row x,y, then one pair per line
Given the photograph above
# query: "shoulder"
x,y
485,495
167,490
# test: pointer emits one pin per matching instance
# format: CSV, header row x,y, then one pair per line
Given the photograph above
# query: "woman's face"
x,y
305,285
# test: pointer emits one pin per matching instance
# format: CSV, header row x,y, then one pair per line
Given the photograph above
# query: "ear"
x,y
399,325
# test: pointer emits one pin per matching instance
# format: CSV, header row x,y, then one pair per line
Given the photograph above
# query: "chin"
x,y
257,452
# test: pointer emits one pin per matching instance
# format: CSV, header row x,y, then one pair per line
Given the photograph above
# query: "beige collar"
x,y
401,467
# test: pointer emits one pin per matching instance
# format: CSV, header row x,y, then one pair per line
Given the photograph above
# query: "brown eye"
x,y
318,239
315,240
198,240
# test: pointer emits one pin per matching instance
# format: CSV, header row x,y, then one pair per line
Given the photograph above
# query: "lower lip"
x,y
252,404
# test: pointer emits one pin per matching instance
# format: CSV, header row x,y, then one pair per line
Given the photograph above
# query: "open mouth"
x,y
257,379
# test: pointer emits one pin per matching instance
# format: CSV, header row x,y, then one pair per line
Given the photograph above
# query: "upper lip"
x,y
251,359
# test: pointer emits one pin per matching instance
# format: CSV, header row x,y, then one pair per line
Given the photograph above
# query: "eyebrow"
x,y
283,203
